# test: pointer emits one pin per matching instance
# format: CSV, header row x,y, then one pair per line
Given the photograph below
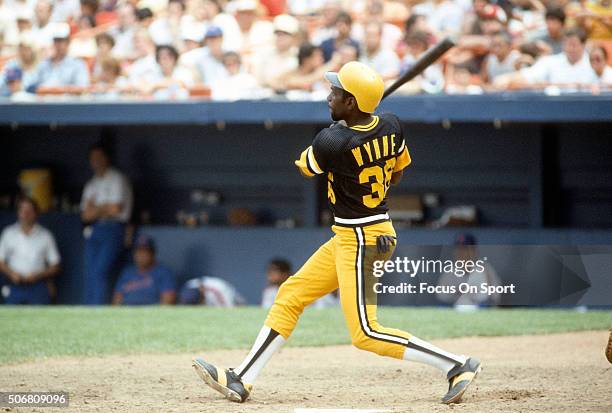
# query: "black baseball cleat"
x,y
459,378
225,382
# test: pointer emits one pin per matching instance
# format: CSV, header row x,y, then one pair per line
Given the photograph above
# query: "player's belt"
x,y
358,222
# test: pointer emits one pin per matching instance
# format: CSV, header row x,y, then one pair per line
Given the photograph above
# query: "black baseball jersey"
x,y
359,162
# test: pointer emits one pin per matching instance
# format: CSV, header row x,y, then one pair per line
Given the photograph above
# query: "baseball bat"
x,y
429,57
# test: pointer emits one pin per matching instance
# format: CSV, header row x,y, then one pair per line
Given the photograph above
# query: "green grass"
x,y
31,333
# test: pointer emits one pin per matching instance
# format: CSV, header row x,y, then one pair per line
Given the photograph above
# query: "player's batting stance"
x,y
362,155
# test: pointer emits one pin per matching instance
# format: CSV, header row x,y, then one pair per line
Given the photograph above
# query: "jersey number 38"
x,y
382,181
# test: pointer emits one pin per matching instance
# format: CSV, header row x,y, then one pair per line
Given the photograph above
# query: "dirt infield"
x,y
557,373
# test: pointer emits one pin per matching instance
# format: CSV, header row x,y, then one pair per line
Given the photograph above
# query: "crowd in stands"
x,y
177,49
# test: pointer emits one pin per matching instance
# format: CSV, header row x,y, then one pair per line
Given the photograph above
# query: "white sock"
x,y
423,352
267,343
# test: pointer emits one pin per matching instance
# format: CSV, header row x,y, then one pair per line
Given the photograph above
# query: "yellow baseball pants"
x,y
341,263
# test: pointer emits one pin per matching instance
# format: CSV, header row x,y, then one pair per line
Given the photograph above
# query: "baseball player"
x,y
361,154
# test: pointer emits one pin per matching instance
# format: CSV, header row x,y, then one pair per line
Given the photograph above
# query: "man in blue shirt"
x,y
146,282
60,69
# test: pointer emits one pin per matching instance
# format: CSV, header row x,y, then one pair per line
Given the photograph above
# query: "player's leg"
x,y
316,278
353,264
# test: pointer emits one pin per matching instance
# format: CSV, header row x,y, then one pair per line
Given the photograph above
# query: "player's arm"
x,y
314,159
402,160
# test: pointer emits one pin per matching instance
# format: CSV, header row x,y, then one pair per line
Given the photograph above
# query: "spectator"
x,y
172,80
460,80
210,13
43,29
346,53
255,34
207,62
61,70
19,24
104,50
417,23
570,68
144,70
83,45
124,32
274,63
279,269
432,79
344,24
445,17
24,66
14,84
210,291
28,257
106,206
65,10
89,7
192,35
465,250
329,15
166,30
599,58
145,17
109,82
146,282
501,59
310,71
391,34
237,83
551,40
376,55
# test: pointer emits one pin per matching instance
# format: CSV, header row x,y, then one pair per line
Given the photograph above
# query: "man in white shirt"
x,y
255,33
106,206
380,58
28,257
272,63
568,69
144,69
123,33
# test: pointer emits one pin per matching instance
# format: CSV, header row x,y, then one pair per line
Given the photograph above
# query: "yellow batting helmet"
x,y
361,81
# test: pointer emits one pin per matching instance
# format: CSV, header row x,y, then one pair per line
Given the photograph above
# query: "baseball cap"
x,y
145,241
465,239
13,74
287,24
213,31
61,31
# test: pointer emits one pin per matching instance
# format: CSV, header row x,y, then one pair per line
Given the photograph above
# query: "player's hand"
x,y
384,243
